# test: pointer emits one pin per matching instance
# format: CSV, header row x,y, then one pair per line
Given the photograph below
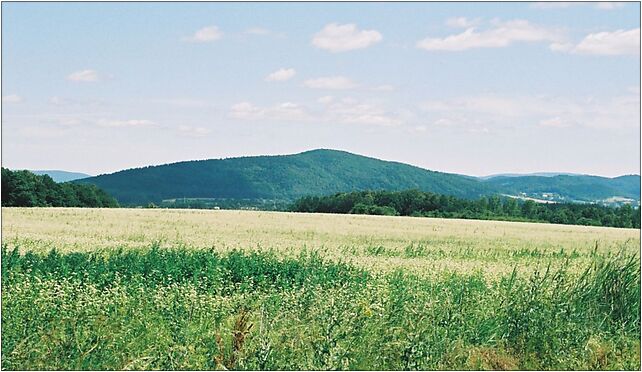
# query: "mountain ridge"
x,y
61,175
327,171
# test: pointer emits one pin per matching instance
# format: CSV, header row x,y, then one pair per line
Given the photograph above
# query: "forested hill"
x,y
570,188
22,188
283,177
324,172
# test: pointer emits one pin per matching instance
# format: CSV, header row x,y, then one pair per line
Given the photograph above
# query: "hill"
x,y
539,174
570,188
281,177
323,172
61,176
26,189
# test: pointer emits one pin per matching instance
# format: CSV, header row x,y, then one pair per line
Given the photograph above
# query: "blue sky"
x,y
472,88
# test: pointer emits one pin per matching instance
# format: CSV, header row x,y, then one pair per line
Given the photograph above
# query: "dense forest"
x,y
282,177
26,189
418,203
324,172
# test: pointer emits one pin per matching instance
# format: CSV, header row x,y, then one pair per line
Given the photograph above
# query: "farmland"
x,y
197,289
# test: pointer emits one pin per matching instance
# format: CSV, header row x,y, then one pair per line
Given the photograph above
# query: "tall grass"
x,y
198,309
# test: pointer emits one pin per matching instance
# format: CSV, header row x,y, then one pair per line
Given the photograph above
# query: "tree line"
x,y
425,204
25,189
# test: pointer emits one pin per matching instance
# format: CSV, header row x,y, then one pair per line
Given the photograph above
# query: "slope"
x,y
281,177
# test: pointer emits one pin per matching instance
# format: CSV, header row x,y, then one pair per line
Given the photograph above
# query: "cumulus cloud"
x,y
11,98
206,34
618,42
331,82
340,38
84,76
281,74
500,35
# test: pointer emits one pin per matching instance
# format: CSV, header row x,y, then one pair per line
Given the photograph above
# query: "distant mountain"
x,y
323,172
539,174
61,176
570,188
282,177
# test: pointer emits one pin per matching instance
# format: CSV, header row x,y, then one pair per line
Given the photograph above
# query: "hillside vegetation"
x,y
265,180
286,177
424,204
26,189
570,188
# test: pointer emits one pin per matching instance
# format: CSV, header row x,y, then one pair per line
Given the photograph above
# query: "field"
x,y
195,289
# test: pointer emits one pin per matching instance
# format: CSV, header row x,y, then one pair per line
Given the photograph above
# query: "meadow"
x,y
197,289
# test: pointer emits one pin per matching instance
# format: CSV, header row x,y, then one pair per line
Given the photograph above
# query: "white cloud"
x,y
331,82
502,34
352,111
206,35
281,74
245,110
608,5
286,111
512,112
618,42
561,47
462,22
556,121
11,98
84,76
345,111
126,123
340,38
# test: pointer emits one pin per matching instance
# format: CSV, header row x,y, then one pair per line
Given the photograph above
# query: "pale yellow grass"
x,y
446,244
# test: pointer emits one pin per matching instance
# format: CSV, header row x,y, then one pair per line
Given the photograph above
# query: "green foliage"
x,y
25,189
575,187
277,178
269,181
418,203
186,309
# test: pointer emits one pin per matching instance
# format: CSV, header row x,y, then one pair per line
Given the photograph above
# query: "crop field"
x,y
197,289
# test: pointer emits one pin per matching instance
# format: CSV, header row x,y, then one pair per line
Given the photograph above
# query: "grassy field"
x,y
195,289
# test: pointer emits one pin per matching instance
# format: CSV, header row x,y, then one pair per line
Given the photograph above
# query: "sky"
x,y
469,88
